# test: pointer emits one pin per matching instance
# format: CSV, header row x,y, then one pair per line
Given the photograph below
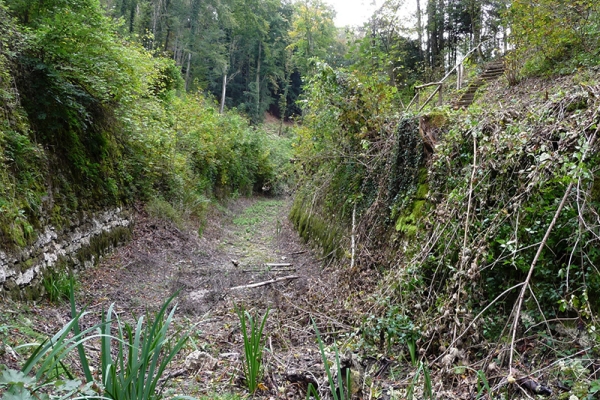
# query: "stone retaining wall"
x,y
77,246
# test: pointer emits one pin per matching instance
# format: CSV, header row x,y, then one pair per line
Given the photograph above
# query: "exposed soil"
x,y
248,241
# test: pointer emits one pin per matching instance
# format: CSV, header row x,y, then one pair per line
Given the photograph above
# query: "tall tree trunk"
x,y
431,33
258,79
475,11
187,71
132,13
420,29
155,17
167,37
283,104
223,90
176,49
440,19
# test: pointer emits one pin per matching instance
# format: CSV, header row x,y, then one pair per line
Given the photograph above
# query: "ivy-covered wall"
x,y
453,205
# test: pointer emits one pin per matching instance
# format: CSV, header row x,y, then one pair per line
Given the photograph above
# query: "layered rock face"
x,y
77,246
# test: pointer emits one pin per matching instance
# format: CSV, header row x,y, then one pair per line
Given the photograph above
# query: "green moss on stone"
x,y
101,243
316,229
422,191
408,223
418,209
27,264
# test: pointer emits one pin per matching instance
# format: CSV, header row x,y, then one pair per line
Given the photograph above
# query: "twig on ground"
x,y
353,246
269,282
336,322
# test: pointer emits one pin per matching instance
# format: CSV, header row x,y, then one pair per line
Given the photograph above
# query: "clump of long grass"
x,y
142,354
133,360
343,389
252,329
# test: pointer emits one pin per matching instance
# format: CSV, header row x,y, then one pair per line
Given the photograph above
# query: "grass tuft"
x,y
253,346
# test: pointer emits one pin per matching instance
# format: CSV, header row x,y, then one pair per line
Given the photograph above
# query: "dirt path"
x,y
239,245
248,241
236,246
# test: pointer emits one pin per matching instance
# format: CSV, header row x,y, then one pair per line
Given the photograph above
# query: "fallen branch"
x,y
269,282
518,305
320,315
464,257
277,270
275,265
353,236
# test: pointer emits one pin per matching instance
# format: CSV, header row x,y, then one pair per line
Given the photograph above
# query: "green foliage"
x,y
23,163
555,37
253,346
385,51
394,327
19,386
222,153
352,156
159,208
342,389
91,121
427,385
129,370
482,384
133,368
339,150
312,34
58,284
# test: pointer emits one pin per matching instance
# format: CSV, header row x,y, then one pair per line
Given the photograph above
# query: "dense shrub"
x,y
90,120
555,37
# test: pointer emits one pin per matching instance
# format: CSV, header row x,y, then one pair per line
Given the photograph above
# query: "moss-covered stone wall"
x,y
78,245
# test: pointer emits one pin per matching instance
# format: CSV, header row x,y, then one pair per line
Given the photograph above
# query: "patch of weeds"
x,y
427,384
393,328
58,284
340,390
482,384
133,359
161,209
254,216
262,210
253,346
